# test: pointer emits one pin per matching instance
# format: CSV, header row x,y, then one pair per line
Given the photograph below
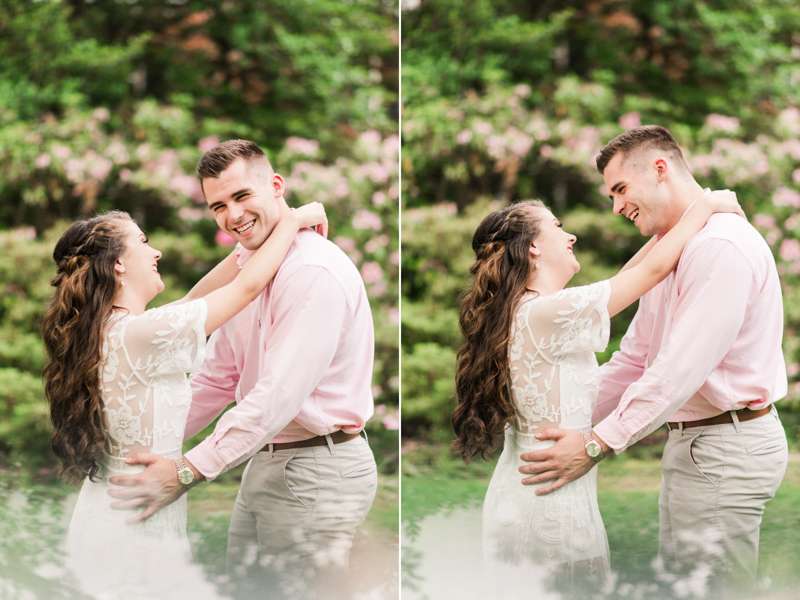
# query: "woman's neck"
x,y
545,283
129,302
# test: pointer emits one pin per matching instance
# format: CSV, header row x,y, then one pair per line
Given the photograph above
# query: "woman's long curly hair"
x,y
501,271
86,284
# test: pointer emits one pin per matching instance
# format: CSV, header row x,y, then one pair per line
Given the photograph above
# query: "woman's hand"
x,y
309,215
723,201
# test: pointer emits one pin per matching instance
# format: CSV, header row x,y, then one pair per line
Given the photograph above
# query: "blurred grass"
x,y
628,497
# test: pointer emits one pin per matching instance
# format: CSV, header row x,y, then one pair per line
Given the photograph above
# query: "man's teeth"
x,y
634,214
245,228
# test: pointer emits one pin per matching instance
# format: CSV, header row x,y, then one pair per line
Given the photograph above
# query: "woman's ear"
x,y
534,250
119,267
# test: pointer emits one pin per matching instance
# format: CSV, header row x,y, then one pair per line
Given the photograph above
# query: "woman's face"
x,y
552,248
138,265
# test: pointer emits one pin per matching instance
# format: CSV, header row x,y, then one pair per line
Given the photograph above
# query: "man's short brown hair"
x,y
221,156
639,139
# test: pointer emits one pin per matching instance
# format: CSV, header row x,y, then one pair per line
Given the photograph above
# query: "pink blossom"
x,y
464,137
394,258
790,250
371,137
391,422
791,222
101,114
722,123
371,272
346,244
796,176
546,150
379,198
377,290
792,369
630,120
193,214
125,174
380,241
60,151
786,197
43,160
482,127
523,90
207,143
223,239
763,221
75,170
367,220
393,192
303,146
446,209
394,316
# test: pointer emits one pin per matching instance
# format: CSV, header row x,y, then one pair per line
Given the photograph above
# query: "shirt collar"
x,y
243,255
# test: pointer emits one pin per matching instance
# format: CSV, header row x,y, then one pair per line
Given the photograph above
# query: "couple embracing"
x,y
292,346
702,357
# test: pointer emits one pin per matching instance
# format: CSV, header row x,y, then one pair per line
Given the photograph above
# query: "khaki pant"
x,y
716,481
296,514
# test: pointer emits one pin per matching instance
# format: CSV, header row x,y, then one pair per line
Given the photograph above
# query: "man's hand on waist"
x,y
561,463
154,488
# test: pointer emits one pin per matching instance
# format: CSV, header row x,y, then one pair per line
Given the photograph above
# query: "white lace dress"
x,y
554,379
146,400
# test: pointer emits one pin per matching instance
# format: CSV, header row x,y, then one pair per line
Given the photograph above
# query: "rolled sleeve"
x,y
715,281
309,312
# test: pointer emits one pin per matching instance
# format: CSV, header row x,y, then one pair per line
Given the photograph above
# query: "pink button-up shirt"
x,y
297,360
705,340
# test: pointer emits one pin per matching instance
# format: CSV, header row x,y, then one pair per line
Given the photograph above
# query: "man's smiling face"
x,y
632,184
244,201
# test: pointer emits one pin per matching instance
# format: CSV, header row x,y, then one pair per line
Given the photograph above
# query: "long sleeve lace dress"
x,y
146,400
554,380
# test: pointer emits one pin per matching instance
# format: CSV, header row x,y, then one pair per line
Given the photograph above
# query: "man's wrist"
x,y
198,476
594,449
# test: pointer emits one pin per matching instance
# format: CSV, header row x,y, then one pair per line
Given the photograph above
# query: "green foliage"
x,y
108,105
495,114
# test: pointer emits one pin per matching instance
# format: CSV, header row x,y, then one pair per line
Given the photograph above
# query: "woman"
x,y
116,383
527,363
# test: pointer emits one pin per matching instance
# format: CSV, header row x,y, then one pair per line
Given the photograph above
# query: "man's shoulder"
x,y
311,253
731,228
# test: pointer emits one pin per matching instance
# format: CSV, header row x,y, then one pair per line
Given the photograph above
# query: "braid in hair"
x,y
500,274
85,286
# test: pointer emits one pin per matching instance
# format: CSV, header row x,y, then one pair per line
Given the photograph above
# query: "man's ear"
x,y
278,185
661,165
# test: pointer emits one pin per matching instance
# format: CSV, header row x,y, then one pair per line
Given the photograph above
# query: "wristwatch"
x,y
593,449
185,475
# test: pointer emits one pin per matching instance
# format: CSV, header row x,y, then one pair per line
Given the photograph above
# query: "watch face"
x,y
593,449
186,477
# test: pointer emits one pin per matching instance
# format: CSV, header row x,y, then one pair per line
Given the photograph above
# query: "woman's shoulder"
x,y
573,296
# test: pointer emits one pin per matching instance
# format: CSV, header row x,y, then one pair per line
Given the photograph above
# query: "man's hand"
x,y
565,461
154,488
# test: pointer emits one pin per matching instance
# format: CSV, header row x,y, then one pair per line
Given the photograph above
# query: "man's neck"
x,y
682,197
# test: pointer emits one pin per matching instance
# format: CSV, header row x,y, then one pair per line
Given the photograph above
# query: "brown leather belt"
x,y
337,437
744,414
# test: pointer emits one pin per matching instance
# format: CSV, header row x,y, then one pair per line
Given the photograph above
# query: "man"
x,y
298,363
704,353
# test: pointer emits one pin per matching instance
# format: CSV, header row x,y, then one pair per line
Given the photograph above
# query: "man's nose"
x,y
619,205
235,212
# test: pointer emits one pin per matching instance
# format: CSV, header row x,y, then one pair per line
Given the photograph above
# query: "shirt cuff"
x,y
206,460
611,432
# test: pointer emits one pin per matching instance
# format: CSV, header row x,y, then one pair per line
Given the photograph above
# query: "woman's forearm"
x,y
221,275
640,254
